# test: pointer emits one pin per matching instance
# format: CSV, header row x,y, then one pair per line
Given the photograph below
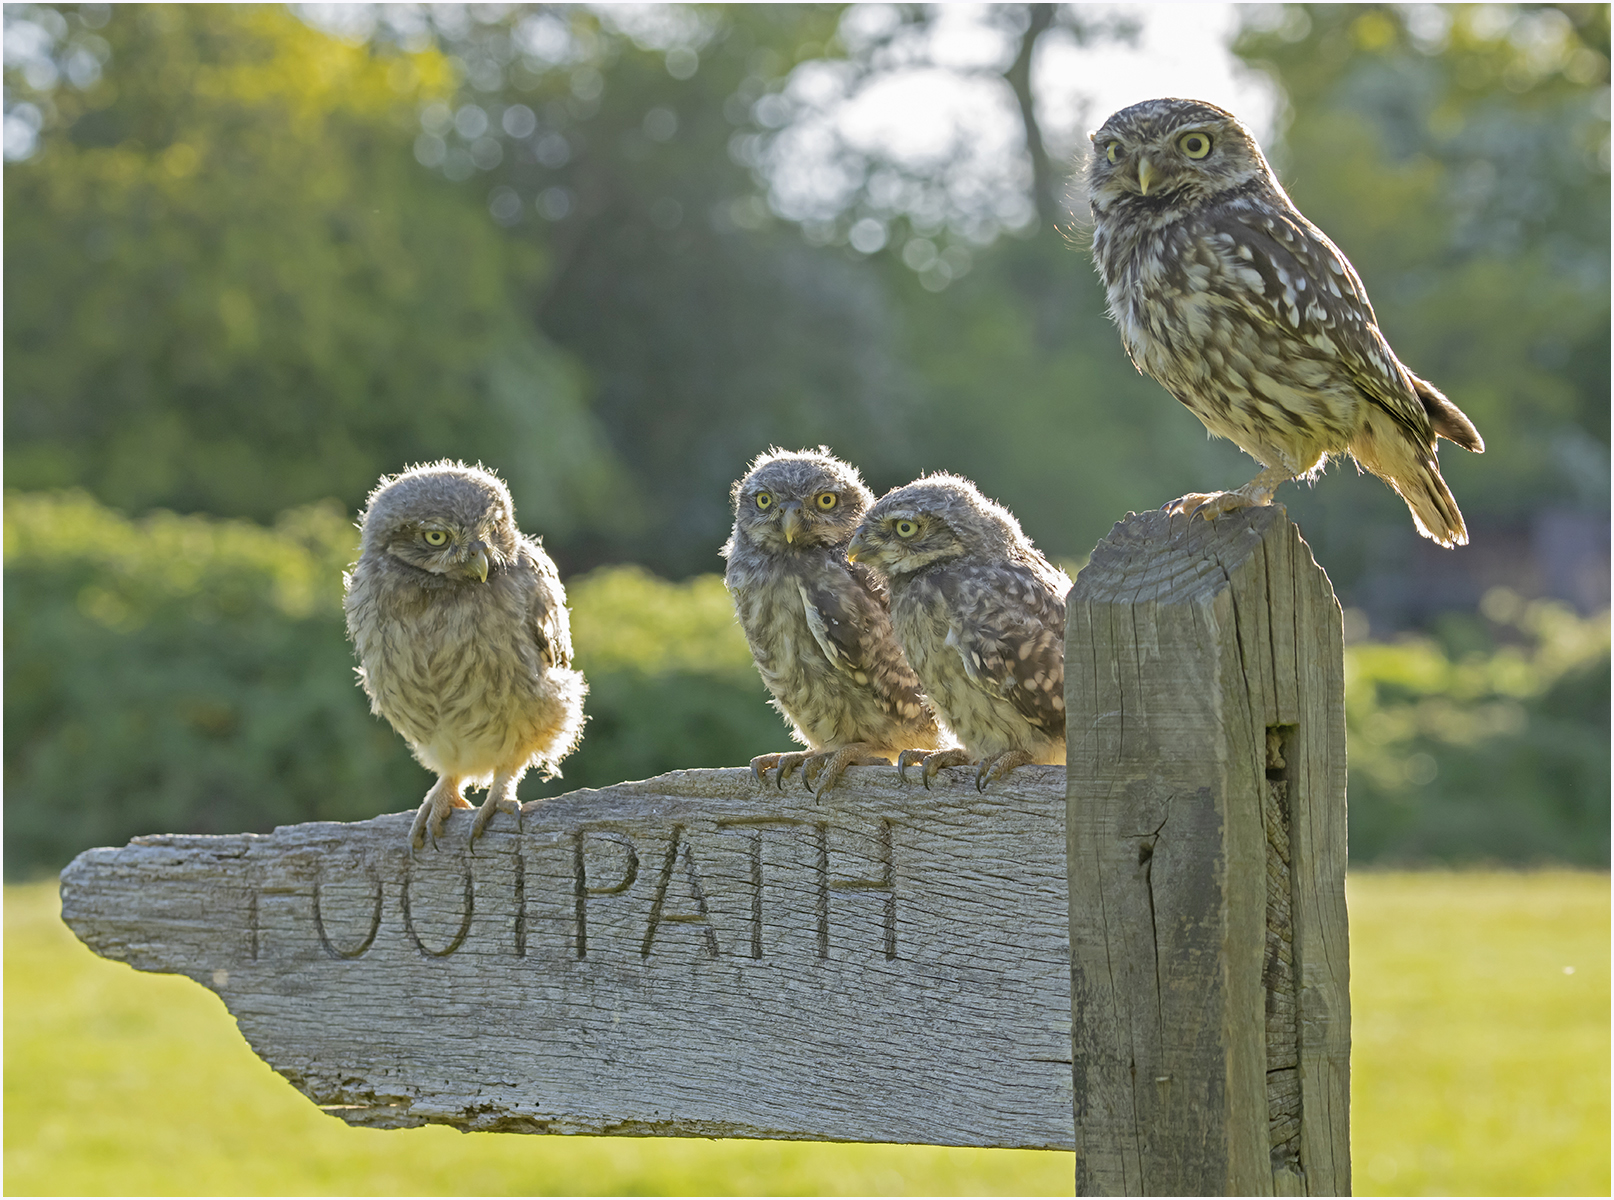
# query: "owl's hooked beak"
x,y
856,546
1145,175
790,520
478,565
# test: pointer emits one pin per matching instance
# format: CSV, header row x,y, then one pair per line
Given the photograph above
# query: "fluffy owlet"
x,y
980,614
820,626
463,637
1249,315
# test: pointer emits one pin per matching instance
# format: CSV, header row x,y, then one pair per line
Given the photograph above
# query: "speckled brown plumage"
x,y
463,637
980,613
819,626
1250,316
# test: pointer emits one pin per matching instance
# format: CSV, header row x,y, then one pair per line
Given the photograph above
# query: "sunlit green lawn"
x,y
1481,1067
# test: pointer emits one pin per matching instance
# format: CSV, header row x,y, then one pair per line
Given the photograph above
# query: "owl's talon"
x,y
495,803
998,767
788,764
828,766
935,760
906,758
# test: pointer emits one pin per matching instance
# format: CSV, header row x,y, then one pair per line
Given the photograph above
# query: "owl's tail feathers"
x,y
1385,448
1446,418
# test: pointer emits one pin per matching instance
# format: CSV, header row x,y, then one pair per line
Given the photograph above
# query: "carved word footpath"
x,y
733,887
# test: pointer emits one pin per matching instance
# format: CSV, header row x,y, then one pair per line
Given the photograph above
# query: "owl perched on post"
x,y
820,627
1246,313
463,637
980,614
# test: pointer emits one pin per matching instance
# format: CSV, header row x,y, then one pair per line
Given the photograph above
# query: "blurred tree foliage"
x,y
632,252
232,290
192,674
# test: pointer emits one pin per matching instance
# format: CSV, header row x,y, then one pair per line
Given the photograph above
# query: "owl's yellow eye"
x,y
1195,145
826,500
435,537
1112,151
764,499
906,529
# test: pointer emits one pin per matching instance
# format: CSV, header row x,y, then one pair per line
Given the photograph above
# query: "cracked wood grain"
x,y
1210,1004
687,955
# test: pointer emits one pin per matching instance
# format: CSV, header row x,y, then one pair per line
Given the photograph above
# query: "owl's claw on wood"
x,y
908,757
493,804
443,798
997,766
932,760
1258,493
1209,505
830,765
784,764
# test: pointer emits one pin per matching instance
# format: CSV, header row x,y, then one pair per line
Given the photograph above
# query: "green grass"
x,y
1480,1066
1480,1063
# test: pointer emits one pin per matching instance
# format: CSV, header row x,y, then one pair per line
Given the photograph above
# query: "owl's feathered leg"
x,y
443,798
932,760
997,766
1256,494
826,768
501,797
785,764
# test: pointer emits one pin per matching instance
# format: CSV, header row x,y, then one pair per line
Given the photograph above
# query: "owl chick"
x,y
1246,313
463,637
819,626
980,614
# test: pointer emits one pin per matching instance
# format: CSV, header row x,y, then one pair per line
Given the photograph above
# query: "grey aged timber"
x,y
696,954
1205,702
693,954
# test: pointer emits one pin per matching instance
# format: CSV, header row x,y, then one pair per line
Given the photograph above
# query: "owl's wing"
x,y
1010,631
851,623
1308,288
551,622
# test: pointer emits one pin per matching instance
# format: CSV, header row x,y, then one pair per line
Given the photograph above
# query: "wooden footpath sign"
x,y
1141,957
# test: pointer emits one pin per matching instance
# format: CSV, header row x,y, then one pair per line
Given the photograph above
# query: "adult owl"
x,y
819,626
980,614
1246,313
463,638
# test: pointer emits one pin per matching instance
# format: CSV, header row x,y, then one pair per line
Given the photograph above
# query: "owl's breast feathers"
x,y
444,661
821,637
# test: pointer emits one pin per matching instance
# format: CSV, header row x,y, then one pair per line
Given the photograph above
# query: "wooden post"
x,y
1206,826
700,955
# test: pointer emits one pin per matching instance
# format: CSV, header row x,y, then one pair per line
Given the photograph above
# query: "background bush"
x,y
1484,742
191,674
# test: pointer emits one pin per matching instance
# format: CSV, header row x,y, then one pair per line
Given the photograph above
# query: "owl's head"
x,y
1170,153
444,518
939,518
797,499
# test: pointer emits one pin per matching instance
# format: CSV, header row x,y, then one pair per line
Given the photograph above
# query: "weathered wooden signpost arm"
x,y
692,954
1141,957
1206,843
